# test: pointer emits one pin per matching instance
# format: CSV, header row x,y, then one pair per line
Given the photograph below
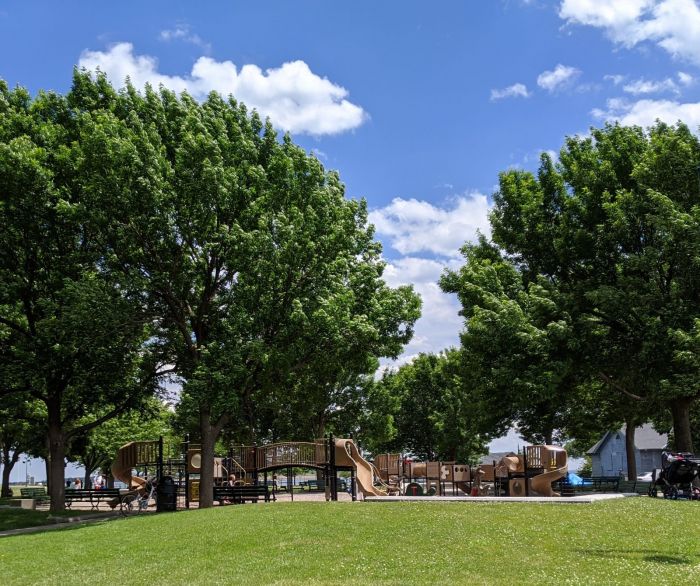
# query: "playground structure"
x,y
530,473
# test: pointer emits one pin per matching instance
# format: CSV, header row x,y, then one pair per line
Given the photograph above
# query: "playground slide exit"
x,y
347,454
542,483
122,466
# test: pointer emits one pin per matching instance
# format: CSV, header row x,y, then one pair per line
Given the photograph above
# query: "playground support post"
x,y
333,469
159,462
353,488
187,471
255,464
527,475
327,466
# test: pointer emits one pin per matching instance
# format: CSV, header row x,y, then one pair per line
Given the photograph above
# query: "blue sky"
x,y
418,105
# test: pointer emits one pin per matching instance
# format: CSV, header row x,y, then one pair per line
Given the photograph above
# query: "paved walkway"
x,y
569,500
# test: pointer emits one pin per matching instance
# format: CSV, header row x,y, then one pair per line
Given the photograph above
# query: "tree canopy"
x,y
148,233
587,302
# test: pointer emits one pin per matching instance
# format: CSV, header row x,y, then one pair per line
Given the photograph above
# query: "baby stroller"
x,y
676,477
137,500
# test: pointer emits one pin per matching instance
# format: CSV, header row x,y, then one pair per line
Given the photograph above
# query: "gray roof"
x,y
599,444
645,438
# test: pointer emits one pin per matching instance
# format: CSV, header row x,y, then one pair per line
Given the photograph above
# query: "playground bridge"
x,y
281,455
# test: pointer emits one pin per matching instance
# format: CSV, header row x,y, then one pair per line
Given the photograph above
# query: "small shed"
x,y
609,457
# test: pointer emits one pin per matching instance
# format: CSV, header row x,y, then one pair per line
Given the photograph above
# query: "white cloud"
x,y
414,226
645,86
181,32
559,78
517,90
674,25
440,323
616,79
646,112
295,98
685,78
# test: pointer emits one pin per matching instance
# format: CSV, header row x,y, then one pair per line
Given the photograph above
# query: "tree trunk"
x,y
9,463
87,483
48,475
56,459
629,449
682,438
206,472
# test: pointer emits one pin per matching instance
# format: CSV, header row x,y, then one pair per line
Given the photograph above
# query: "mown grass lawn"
x,y
16,518
627,541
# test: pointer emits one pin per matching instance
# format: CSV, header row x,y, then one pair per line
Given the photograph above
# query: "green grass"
x,y
16,518
626,541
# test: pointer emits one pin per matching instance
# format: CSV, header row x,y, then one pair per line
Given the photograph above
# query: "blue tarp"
x,y
575,479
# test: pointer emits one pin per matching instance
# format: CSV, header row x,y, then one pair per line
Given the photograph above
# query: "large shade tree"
x,y
254,265
518,346
72,335
615,226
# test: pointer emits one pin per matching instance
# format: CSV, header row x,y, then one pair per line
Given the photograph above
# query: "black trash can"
x,y
166,492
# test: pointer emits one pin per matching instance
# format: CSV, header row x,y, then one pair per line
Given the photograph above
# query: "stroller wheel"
x,y
652,491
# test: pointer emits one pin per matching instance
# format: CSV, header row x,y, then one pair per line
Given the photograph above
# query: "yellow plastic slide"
x,y
347,454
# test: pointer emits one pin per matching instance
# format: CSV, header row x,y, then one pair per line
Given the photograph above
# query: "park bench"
x,y
634,486
599,484
240,494
312,485
590,484
92,496
38,494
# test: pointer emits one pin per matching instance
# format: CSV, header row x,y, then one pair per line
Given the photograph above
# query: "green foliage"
x,y
96,449
586,468
72,336
260,276
607,243
434,416
517,350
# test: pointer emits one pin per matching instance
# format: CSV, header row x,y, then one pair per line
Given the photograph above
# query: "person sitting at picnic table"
x,y
77,484
231,480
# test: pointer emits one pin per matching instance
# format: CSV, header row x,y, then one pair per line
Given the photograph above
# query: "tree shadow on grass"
x,y
34,522
647,555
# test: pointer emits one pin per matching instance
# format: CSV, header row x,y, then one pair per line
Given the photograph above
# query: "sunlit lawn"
x,y
626,541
